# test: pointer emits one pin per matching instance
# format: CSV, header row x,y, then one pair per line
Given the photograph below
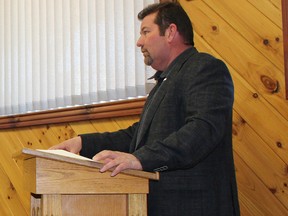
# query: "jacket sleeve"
x,y
117,141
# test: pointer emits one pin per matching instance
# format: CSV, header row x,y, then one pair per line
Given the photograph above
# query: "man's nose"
x,y
139,42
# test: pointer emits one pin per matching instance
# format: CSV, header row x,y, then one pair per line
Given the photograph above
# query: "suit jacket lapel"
x,y
150,110
157,97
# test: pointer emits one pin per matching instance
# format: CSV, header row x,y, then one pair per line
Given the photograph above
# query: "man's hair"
x,y
167,13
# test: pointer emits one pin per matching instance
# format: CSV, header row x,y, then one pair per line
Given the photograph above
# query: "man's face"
x,y
153,46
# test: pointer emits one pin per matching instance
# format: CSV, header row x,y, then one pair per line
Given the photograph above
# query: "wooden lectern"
x,y
61,185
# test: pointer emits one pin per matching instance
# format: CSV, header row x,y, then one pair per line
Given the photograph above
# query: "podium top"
x,y
64,156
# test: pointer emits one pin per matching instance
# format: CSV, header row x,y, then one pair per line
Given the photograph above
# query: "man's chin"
x,y
148,62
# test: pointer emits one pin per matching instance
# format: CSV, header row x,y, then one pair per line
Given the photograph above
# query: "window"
x,y
61,53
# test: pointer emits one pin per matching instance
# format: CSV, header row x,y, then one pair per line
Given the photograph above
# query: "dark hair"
x,y
167,13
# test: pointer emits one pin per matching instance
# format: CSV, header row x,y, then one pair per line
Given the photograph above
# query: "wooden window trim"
x,y
79,113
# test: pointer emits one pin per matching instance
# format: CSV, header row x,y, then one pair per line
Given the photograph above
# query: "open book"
x,y
65,154
59,155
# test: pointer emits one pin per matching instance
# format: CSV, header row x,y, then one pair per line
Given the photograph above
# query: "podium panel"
x,y
62,186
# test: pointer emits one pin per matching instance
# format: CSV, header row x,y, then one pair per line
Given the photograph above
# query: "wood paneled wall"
x,y
247,35
14,200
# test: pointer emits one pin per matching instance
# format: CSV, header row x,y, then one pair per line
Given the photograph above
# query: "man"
x,y
185,129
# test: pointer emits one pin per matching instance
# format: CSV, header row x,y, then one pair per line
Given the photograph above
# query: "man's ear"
x,y
171,31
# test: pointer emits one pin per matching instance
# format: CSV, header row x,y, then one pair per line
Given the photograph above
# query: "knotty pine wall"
x,y
247,35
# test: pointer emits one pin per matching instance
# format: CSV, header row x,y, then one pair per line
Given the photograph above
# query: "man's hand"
x,y
73,145
118,160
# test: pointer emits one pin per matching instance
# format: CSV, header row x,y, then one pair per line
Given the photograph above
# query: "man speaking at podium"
x,y
185,129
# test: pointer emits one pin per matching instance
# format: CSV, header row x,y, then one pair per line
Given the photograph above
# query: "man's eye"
x,y
145,32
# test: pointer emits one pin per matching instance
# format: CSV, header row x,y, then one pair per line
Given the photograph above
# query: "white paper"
x,y
65,153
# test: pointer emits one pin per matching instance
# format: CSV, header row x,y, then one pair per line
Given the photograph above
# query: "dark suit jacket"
x,y
186,135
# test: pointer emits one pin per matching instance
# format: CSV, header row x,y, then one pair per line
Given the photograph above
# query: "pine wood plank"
x,y
4,210
82,127
11,168
107,125
255,109
26,138
268,40
102,126
135,209
62,132
79,203
10,204
255,199
265,115
238,53
260,158
270,8
45,136
51,204
258,113
54,172
262,117
125,122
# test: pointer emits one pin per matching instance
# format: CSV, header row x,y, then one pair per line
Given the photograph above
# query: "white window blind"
x,y
59,53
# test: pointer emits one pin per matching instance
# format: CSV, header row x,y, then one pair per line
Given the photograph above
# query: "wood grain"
x,y
247,36
285,41
79,113
77,203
